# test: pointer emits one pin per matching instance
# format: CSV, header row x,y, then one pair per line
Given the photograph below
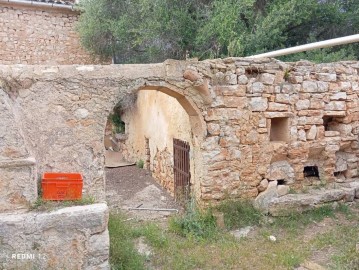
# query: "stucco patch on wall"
x,y
159,118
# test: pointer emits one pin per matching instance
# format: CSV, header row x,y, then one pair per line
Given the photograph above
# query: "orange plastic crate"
x,y
61,186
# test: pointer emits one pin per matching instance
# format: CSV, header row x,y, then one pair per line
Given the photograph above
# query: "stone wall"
x,y
69,238
252,121
280,121
40,36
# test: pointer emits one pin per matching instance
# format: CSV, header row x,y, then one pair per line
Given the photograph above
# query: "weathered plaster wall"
x,y
159,118
40,36
234,105
69,238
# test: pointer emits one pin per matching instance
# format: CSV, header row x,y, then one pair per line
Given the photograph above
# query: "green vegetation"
x,y
123,254
140,164
118,124
192,240
43,205
194,223
345,239
239,214
142,31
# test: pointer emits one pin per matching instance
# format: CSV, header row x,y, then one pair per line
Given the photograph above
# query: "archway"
x,y
152,122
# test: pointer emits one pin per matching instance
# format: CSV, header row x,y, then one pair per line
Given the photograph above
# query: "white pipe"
x,y
38,4
310,46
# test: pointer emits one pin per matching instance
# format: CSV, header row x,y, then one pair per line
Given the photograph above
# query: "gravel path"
x,y
131,186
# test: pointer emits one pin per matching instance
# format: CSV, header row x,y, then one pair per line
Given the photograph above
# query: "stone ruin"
x,y
261,128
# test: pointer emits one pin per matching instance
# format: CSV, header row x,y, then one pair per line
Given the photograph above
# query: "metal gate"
x,y
181,170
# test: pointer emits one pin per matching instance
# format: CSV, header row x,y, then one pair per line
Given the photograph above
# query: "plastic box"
x,y
61,186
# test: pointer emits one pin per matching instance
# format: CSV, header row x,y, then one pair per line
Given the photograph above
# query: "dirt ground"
x,y
132,187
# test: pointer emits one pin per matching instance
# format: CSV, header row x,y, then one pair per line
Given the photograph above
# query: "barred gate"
x,y
181,170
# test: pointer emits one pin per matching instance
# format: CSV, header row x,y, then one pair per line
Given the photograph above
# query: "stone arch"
x,y
197,123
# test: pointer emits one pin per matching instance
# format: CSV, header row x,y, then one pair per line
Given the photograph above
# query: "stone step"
x,y
298,203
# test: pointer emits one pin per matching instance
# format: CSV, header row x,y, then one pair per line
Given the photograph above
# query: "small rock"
x,y
241,233
282,190
142,247
312,133
335,205
263,199
81,113
312,266
272,238
263,185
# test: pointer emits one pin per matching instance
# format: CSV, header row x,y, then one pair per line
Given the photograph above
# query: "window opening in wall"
x,y
339,174
311,171
326,121
281,182
279,130
330,122
252,72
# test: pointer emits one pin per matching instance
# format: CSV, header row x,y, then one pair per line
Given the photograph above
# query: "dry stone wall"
x,y
280,121
254,122
40,36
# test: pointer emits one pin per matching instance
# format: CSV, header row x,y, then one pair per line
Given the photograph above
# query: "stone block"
x,y
273,106
327,77
69,238
282,98
282,190
312,133
302,104
256,87
281,170
235,102
339,96
309,87
213,128
258,104
263,185
335,106
267,78
242,79
18,186
264,198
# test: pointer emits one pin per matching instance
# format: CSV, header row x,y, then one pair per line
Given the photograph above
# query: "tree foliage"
x,y
135,31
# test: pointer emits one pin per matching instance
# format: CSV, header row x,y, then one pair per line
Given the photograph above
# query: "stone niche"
x,y
279,130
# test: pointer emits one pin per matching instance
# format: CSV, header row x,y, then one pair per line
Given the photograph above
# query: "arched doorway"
x,y
150,124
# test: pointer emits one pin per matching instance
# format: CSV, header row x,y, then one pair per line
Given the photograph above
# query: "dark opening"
x,y
340,173
252,72
311,171
326,121
281,182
